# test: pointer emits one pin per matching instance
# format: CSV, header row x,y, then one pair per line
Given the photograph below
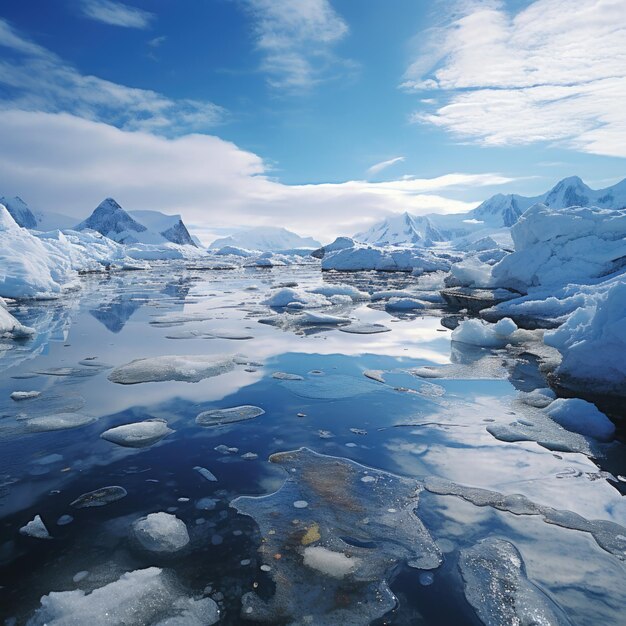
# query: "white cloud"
x,y
116,13
64,163
555,71
296,39
379,167
37,79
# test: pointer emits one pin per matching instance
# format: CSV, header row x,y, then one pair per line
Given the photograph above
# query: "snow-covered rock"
x,y
112,221
266,239
161,533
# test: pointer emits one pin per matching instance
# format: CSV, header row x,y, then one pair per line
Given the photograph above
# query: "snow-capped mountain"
x,y
36,220
151,227
110,220
19,211
265,239
402,229
171,227
495,214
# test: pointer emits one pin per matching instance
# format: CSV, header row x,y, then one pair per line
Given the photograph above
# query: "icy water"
x,y
421,438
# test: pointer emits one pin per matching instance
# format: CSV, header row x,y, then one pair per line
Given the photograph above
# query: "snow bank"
x,y
581,417
481,333
593,342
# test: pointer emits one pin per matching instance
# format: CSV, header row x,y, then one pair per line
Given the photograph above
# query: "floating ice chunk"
x,y
205,473
147,596
190,369
330,563
80,576
59,421
99,497
249,456
161,532
426,579
339,299
300,504
404,304
481,333
309,317
220,417
341,290
234,335
345,542
24,395
392,293
581,417
138,434
289,296
376,375
35,528
287,376
497,587
64,520
364,329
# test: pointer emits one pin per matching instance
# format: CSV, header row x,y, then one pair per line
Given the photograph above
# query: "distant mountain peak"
x,y
19,211
112,221
265,239
401,229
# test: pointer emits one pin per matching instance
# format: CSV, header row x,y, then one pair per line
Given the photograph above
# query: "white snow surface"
x,y
480,333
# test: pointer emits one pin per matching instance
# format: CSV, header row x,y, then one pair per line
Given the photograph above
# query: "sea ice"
x,y
190,369
581,417
161,533
58,421
99,497
35,528
220,417
24,395
138,434
481,333
497,587
138,598
362,328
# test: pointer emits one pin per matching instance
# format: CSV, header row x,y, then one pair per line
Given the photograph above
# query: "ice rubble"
x,y
191,369
145,597
497,586
161,533
358,257
343,544
138,434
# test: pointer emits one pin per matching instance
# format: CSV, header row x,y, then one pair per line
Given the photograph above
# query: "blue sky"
x,y
303,106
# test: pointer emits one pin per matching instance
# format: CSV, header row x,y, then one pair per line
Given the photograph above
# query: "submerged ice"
x,y
343,544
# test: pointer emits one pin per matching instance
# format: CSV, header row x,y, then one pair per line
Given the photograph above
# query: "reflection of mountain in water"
x,y
115,313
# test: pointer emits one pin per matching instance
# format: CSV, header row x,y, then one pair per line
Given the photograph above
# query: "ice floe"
x,y
497,586
231,415
99,497
190,369
138,434
35,528
345,542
